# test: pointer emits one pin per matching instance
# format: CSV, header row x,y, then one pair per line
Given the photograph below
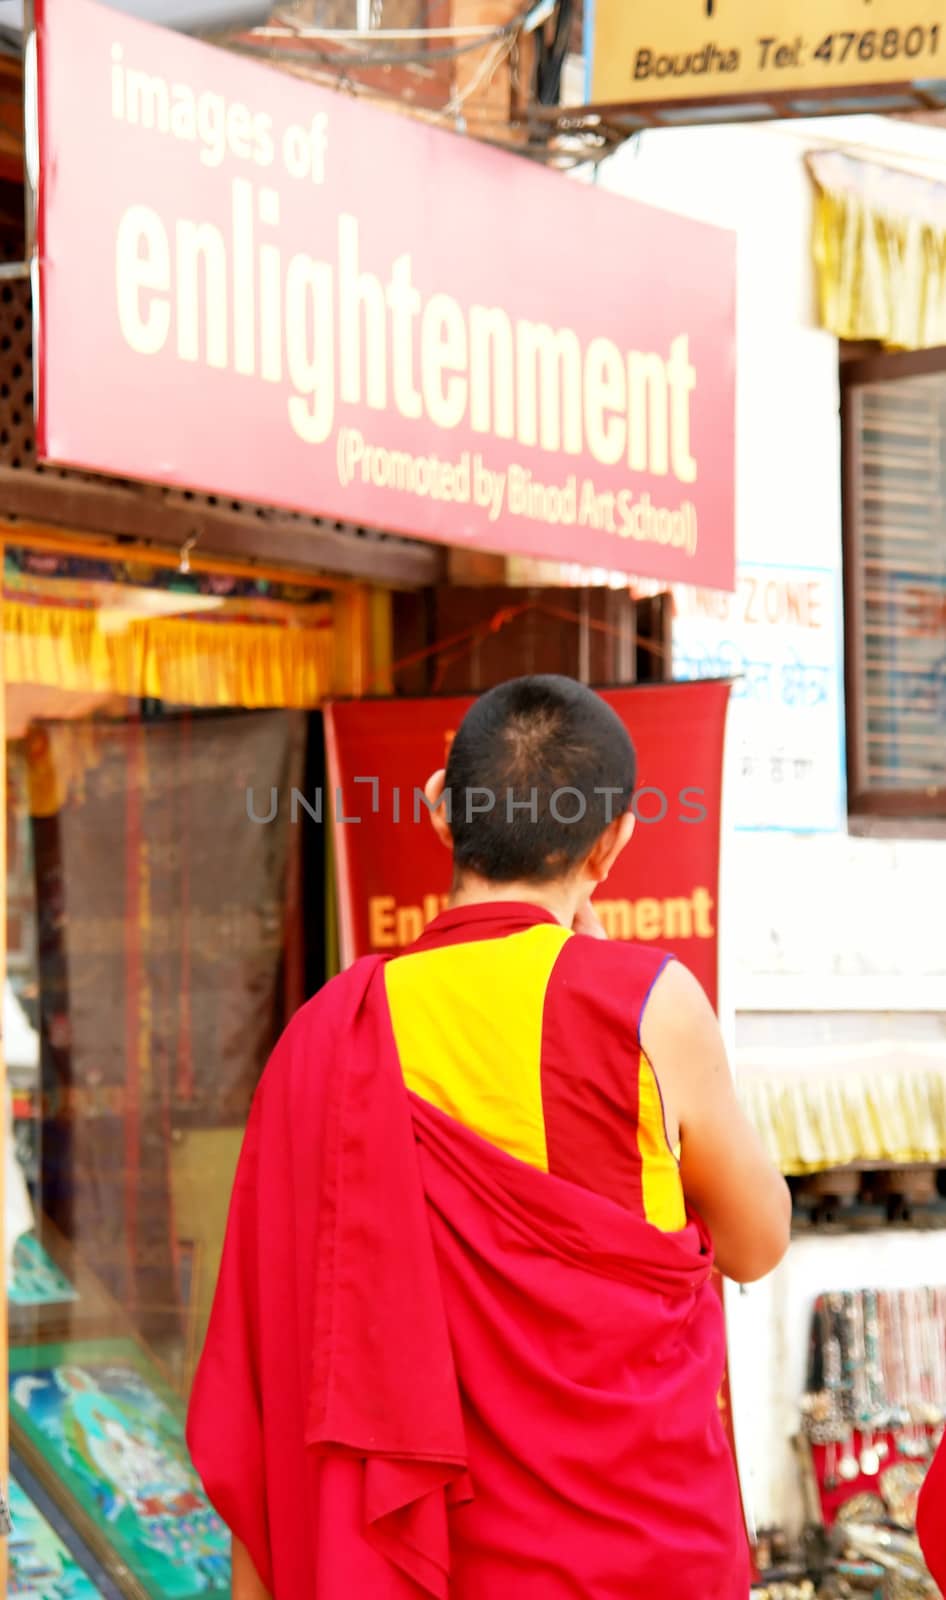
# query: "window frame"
x,y
857,369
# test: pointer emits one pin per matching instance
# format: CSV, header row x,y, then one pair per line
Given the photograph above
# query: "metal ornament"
x,y
900,1487
849,1467
867,1508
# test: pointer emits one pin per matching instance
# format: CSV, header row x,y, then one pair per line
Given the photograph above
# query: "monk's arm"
x,y
245,1583
727,1176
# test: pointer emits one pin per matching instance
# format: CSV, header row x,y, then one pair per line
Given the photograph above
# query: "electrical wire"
x,y
590,145
383,58
458,645
550,62
420,35
534,120
574,143
483,77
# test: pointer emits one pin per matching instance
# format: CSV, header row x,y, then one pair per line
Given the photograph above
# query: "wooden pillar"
x,y
382,642
492,84
352,630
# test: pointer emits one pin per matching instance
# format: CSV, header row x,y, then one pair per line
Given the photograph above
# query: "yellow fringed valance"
x,y
880,253
183,662
884,1112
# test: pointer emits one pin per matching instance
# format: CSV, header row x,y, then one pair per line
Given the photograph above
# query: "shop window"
x,y
158,937
894,418
463,639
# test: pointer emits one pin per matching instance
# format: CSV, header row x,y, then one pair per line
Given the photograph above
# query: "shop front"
x,y
266,362
163,920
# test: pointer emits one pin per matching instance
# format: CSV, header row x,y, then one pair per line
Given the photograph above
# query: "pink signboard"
x,y
257,288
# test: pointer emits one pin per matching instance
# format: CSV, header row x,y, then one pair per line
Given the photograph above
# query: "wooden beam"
x,y
144,515
889,366
99,547
468,567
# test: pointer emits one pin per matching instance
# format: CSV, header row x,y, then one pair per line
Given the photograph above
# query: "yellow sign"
x,y
650,51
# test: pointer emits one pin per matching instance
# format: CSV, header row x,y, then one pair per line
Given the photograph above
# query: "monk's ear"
x,y
616,835
433,792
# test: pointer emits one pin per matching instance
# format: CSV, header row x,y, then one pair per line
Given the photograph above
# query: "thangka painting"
x,y
39,1565
162,916
105,1438
36,1280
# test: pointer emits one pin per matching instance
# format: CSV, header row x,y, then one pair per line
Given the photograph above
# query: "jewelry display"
x,y
872,1415
877,1380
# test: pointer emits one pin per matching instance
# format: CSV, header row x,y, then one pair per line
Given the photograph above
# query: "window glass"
x,y
897,545
156,947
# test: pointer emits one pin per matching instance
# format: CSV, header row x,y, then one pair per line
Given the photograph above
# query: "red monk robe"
x,y
931,1517
433,1370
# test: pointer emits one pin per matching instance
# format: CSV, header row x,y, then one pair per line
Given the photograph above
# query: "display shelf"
x,y
103,1435
48,1560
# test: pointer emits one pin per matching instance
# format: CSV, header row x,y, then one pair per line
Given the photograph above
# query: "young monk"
x,y
465,1342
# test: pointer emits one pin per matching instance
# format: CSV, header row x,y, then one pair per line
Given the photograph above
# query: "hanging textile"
x,y
162,910
880,252
203,640
887,1107
225,662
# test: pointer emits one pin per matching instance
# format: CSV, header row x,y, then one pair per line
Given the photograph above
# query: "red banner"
x,y
393,875
262,289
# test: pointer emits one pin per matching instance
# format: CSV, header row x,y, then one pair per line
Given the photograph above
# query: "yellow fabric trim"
x,y
183,662
810,1123
467,1021
662,1189
880,253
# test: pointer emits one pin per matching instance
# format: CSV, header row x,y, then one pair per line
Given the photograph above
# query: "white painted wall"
x,y
824,907
801,909
823,922
787,428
